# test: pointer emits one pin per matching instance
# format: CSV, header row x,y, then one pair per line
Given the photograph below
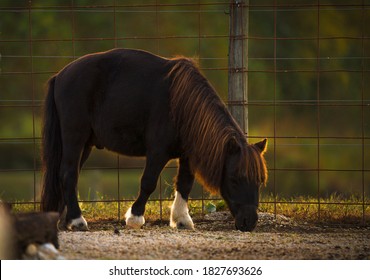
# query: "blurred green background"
x,y
308,73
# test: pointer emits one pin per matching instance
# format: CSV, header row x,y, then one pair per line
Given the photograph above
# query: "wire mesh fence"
x,y
305,75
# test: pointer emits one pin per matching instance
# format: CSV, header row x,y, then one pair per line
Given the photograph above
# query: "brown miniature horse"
x,y
138,104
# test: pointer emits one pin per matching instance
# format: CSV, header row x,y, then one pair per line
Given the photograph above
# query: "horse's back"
x,y
119,97
111,69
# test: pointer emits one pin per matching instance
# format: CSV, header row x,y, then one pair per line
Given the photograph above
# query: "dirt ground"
x,y
216,238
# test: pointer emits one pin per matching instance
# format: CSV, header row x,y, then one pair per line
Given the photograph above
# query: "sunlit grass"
x,y
332,210
303,209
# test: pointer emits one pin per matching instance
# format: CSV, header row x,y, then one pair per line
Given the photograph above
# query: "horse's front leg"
x,y
153,167
180,217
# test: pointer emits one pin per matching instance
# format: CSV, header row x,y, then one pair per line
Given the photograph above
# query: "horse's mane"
x,y
206,129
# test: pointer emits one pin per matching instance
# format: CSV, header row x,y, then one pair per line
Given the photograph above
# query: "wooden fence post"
x,y
238,62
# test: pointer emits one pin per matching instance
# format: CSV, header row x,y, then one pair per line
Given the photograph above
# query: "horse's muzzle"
x,y
246,219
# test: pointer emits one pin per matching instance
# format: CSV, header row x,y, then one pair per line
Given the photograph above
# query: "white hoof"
x,y
180,217
133,221
78,224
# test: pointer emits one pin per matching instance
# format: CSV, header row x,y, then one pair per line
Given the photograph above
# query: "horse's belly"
x,y
125,143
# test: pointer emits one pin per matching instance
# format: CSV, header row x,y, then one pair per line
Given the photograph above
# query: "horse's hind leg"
x,y
153,167
180,217
85,154
75,152
73,224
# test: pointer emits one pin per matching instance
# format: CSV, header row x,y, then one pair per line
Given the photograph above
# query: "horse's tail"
x,y
52,195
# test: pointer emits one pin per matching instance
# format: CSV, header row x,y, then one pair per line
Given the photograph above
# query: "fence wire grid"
x,y
306,77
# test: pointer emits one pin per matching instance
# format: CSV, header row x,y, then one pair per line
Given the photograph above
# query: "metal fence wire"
x,y
295,72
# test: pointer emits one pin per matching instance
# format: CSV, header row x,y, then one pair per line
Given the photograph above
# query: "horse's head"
x,y
244,173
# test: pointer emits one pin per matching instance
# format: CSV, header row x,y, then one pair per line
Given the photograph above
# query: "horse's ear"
x,y
262,146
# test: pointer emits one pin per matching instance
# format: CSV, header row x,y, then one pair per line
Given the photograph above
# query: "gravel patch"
x,y
215,238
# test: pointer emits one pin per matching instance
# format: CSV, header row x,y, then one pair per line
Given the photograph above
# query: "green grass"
x,y
332,210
